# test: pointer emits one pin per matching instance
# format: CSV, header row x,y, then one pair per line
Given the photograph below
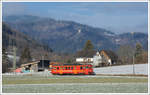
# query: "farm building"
x,y
108,57
35,66
104,58
101,58
97,60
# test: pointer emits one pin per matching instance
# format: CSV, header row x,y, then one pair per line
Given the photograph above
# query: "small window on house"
x,y
86,67
75,68
69,68
81,68
64,68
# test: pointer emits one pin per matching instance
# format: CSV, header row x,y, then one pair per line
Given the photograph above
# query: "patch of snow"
x,y
108,34
117,40
11,57
79,31
124,69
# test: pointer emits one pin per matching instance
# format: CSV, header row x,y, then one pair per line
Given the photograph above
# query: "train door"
x,y
86,70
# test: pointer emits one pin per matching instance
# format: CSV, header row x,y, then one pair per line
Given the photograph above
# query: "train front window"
x,y
90,67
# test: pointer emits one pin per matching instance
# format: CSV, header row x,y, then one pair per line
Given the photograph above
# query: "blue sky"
x,y
114,16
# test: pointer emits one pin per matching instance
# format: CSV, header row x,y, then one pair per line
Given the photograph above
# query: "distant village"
x,y
100,59
87,55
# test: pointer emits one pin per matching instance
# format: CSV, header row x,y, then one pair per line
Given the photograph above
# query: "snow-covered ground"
x,y
124,69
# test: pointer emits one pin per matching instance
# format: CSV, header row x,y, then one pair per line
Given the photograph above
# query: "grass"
x,y
73,79
78,88
74,84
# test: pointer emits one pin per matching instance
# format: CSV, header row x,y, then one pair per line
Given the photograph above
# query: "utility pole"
x,y
14,61
43,62
133,65
133,52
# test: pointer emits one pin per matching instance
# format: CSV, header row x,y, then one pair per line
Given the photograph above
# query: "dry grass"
x,y
70,79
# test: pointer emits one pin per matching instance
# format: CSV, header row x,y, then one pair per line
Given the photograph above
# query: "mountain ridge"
x,y
11,38
69,36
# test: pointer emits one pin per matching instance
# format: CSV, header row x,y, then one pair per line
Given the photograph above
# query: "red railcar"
x,y
72,69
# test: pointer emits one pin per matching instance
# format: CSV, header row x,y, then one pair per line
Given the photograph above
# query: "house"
x,y
104,58
108,57
32,66
35,66
97,60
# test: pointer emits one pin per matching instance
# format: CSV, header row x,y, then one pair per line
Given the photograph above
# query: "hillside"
x,y
69,36
11,38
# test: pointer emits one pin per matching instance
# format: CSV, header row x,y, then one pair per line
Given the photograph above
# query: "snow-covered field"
x,y
124,69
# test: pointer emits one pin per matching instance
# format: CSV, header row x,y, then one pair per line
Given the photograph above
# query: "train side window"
x,y
71,68
57,68
66,68
61,68
81,68
86,67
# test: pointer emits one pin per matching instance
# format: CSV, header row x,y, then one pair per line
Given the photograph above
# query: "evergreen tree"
x,y
138,53
25,56
5,61
87,51
88,46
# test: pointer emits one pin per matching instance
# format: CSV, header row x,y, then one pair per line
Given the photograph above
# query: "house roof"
x,y
86,54
67,64
110,54
35,62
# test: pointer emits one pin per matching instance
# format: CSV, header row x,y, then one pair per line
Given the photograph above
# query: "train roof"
x,y
69,64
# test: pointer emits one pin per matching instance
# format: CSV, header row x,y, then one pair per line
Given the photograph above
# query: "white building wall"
x,y
97,59
84,59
